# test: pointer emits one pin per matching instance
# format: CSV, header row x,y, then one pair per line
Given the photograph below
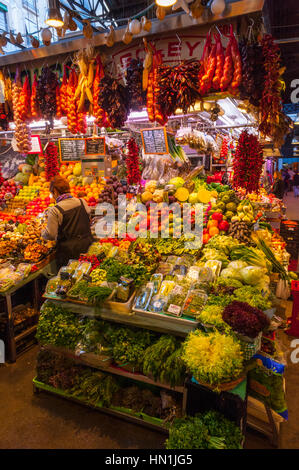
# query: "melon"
x,y
204,196
77,169
182,194
146,196
21,178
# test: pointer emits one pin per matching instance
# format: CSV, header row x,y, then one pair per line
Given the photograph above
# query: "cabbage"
x,y
252,274
231,273
238,264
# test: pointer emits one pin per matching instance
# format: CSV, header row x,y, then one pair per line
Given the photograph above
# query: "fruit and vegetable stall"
x,y
140,324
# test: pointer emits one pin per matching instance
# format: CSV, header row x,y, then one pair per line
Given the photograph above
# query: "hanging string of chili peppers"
x,y
247,163
132,163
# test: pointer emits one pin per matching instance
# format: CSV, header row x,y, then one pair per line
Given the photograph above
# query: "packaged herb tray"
x,y
83,268
144,296
52,285
194,302
176,300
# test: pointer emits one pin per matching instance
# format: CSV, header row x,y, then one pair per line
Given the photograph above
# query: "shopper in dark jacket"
x,y
68,223
278,187
296,184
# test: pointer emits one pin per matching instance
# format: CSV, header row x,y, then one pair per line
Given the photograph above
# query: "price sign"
x,y
36,146
94,167
155,141
71,150
95,146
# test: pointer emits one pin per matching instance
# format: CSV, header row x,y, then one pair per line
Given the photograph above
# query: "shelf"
x,y
141,419
25,333
160,323
111,369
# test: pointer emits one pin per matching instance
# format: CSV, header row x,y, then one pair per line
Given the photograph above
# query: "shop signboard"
x,y
175,47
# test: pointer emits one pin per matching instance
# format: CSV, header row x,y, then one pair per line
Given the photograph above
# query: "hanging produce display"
x,y
71,102
177,87
154,110
51,161
46,95
252,71
24,100
63,93
22,131
248,163
101,117
136,96
34,109
85,61
132,162
271,105
113,99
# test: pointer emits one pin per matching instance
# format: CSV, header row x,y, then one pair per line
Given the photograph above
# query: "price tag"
x,y
174,309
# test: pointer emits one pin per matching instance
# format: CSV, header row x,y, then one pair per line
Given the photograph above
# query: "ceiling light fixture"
x,y
54,17
165,3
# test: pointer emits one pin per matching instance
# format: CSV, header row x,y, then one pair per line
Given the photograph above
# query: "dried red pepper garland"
x,y
247,163
51,161
132,162
270,104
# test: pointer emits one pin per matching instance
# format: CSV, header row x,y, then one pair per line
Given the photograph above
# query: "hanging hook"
x,y
180,47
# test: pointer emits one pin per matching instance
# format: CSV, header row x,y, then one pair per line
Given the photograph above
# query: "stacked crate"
x,y
289,230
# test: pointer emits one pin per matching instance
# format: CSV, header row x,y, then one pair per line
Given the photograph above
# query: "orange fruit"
x,y
212,223
213,231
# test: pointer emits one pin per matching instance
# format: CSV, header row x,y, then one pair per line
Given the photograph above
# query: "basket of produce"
x,y
223,387
214,359
250,348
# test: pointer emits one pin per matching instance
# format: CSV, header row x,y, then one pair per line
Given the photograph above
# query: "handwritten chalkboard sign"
x,y
154,141
71,149
95,146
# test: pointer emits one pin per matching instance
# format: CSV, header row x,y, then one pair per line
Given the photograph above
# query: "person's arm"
x,y
51,232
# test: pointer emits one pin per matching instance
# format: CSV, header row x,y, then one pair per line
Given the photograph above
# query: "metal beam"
x,y
172,23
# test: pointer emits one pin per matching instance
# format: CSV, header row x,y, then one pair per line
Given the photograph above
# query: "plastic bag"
x,y
283,290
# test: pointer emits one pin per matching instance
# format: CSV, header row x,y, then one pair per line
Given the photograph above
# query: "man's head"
x,y
59,186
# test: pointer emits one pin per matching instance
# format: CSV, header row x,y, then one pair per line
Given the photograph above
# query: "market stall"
x,y
157,312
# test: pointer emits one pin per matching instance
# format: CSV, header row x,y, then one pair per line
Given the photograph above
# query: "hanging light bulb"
x,y
54,17
165,3
218,7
